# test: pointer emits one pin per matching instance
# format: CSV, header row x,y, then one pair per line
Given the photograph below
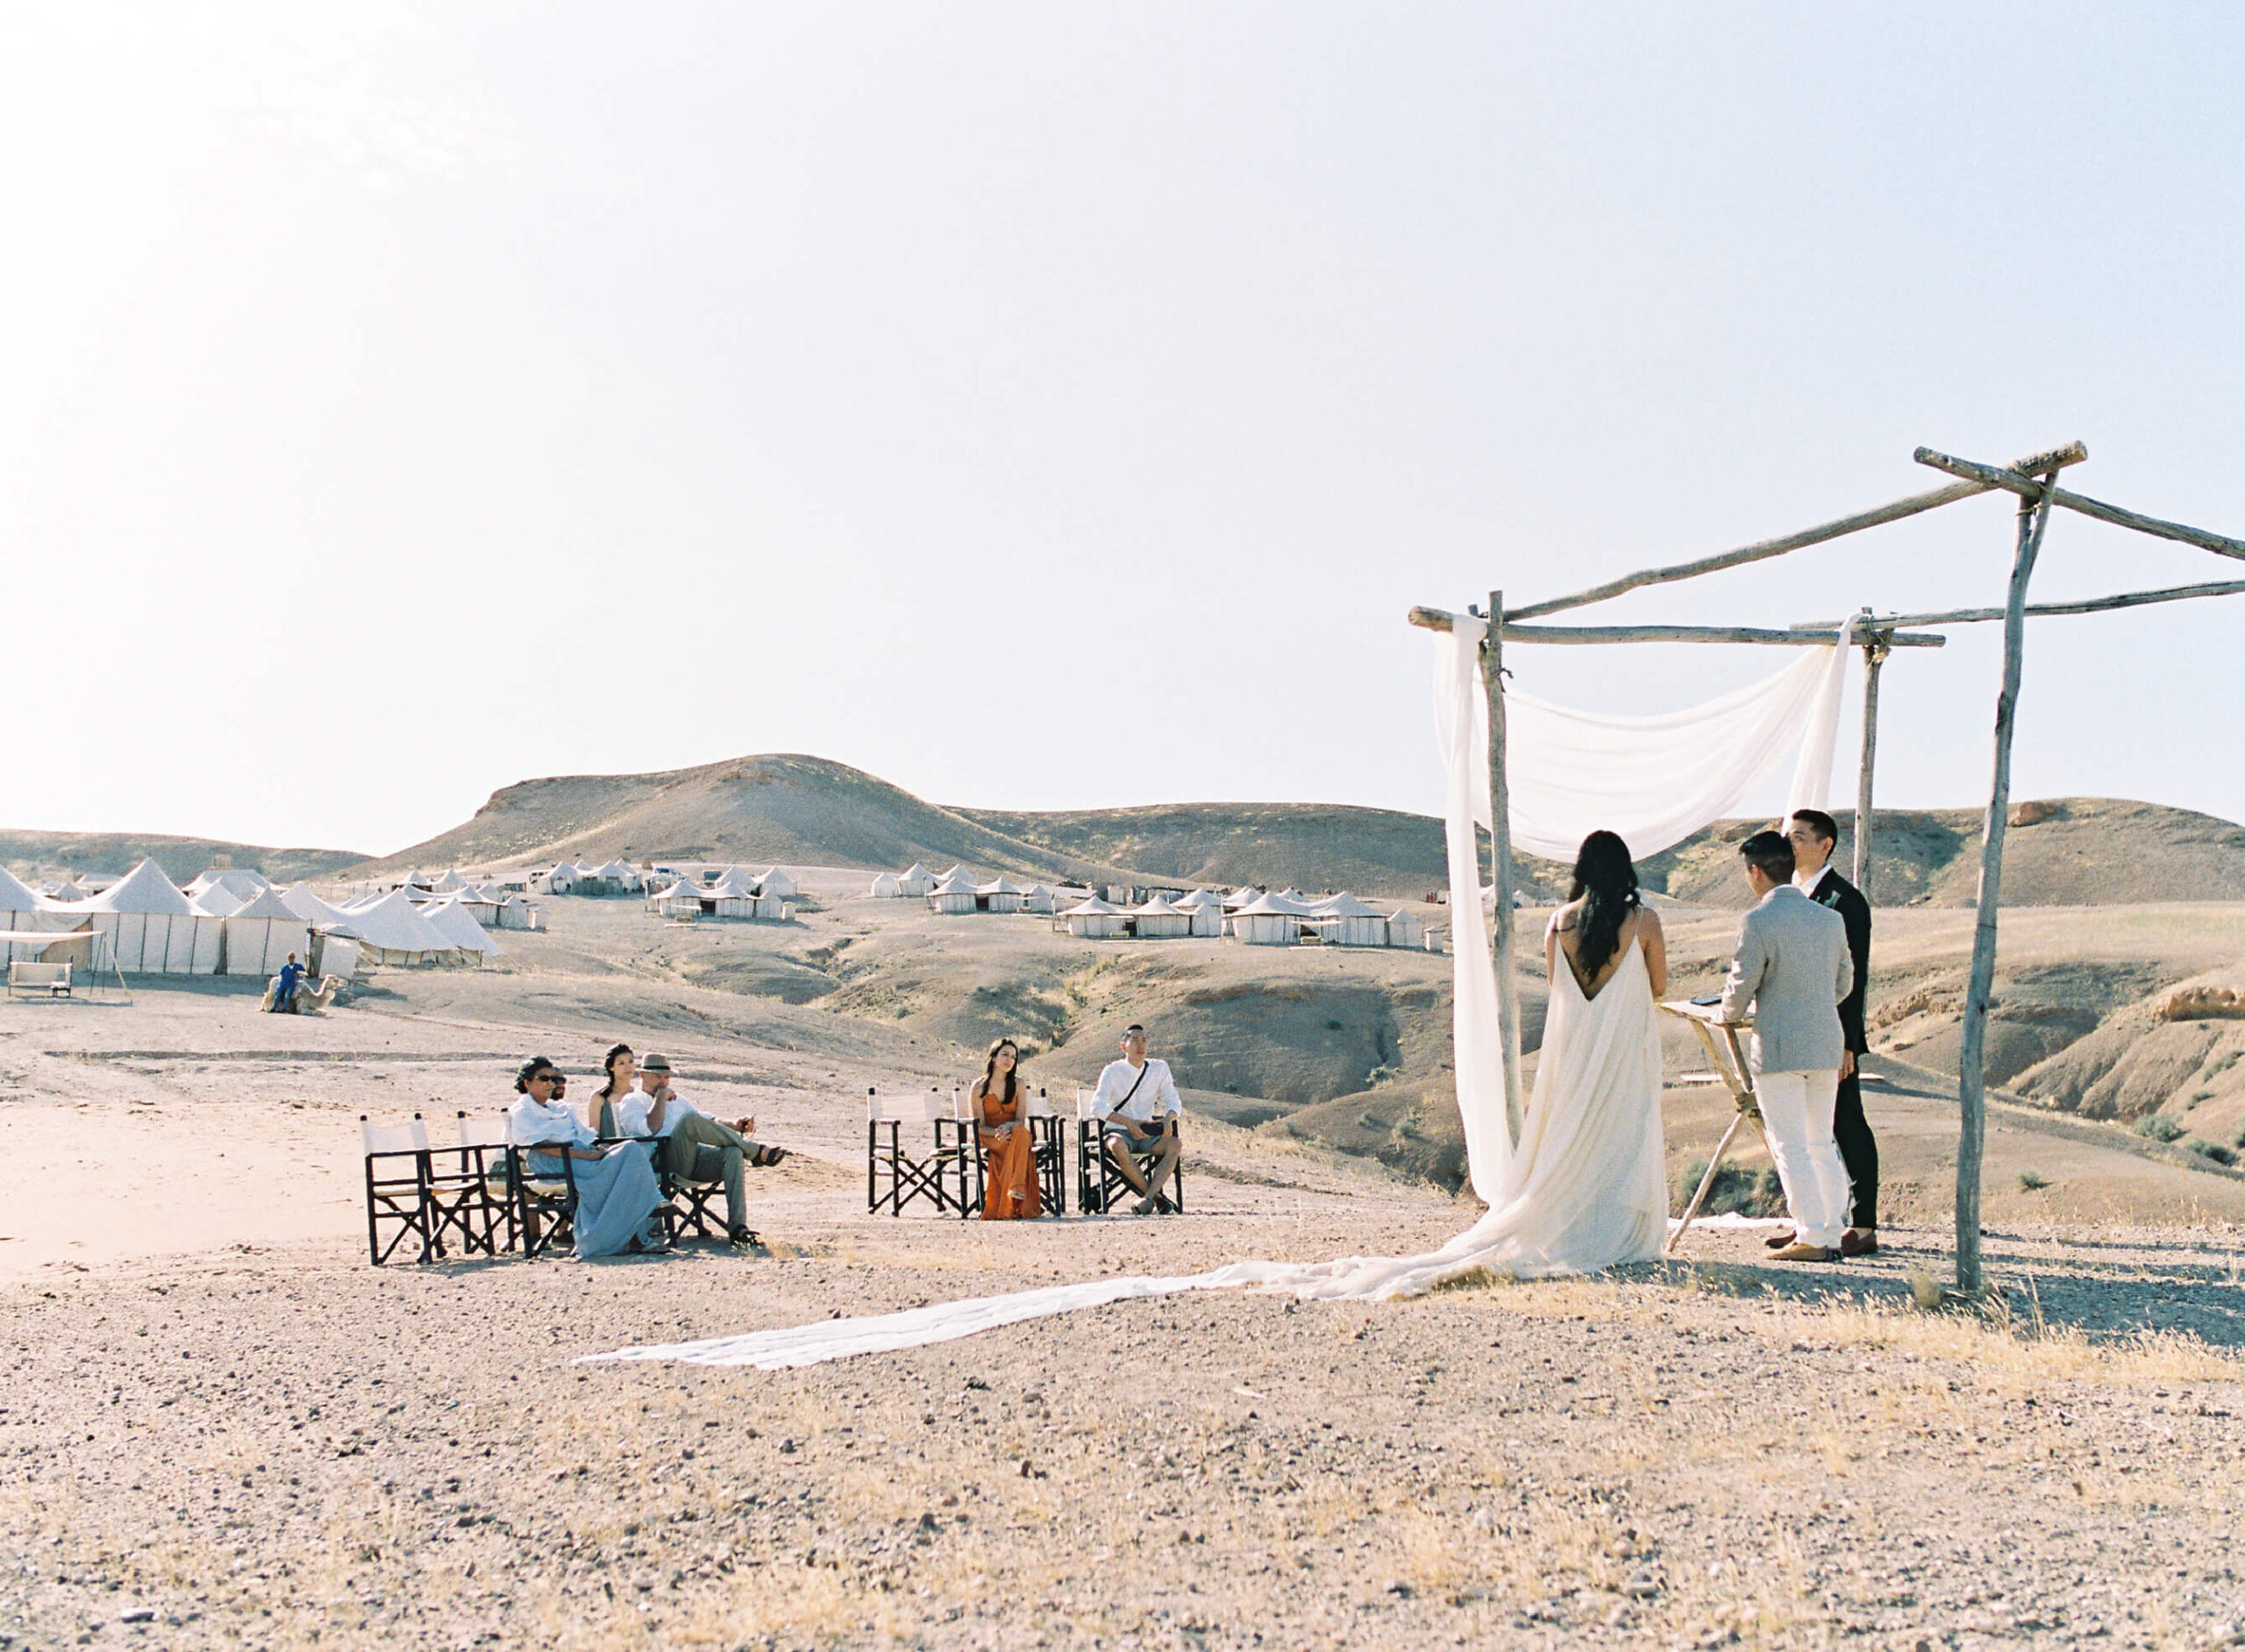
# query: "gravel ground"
x,y
284,1447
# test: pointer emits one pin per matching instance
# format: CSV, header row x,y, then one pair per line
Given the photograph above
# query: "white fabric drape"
x,y
1658,780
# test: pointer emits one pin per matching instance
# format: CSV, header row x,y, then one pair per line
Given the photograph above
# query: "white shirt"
x,y
1809,887
1156,1086
531,1122
632,1109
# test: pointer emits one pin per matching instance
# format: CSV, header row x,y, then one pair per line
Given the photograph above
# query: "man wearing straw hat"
x,y
694,1146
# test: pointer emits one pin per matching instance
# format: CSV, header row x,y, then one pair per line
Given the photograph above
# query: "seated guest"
x,y
616,1195
692,1146
1000,1103
1131,1093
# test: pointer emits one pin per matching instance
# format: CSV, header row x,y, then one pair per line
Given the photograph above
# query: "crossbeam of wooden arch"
x,y
2033,480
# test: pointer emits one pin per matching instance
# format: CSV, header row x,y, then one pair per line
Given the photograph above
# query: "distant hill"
x,y
806,810
36,856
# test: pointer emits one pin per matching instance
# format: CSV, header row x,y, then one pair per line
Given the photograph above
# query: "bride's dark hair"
x,y
1605,873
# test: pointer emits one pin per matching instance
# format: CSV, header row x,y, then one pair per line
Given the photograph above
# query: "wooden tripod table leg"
x,y
1729,1061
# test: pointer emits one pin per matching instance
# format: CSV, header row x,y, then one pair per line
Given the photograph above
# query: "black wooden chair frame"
x,y
389,1201
910,1177
1096,1187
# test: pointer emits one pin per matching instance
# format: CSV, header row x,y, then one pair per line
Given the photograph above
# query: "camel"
x,y
310,999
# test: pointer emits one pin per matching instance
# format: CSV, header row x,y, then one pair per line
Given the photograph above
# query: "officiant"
x,y
1814,834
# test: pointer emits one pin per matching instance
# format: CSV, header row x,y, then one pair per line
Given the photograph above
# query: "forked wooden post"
x,y
1972,1079
1493,680
1875,648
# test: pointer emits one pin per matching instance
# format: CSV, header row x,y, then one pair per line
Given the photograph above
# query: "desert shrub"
x,y
2224,1062
2158,1127
1747,1193
1408,1129
2216,1151
1379,1076
2197,1096
2032,1181
1367,1120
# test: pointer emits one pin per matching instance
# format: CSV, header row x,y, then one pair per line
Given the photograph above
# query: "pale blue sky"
x,y
1052,406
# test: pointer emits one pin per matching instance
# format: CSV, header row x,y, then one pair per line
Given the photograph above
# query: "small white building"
x,y
1000,894
1093,920
887,886
1268,920
1158,921
1346,920
1406,928
953,896
917,881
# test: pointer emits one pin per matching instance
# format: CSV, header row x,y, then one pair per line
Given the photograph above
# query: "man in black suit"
x,y
1814,834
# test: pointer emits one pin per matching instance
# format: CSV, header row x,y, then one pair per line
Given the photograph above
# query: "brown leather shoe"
x,y
1859,1243
1779,1241
1804,1253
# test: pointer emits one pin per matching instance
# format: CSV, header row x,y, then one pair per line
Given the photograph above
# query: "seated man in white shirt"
x,y
692,1146
1138,1106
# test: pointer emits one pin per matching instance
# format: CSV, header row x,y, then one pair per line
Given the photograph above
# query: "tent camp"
x,y
887,886
732,896
953,895
1000,894
1158,921
262,933
391,930
1346,920
778,884
1205,910
1268,921
451,918
1094,921
152,929
917,881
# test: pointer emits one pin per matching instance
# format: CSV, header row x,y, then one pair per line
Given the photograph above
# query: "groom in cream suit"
x,y
1794,967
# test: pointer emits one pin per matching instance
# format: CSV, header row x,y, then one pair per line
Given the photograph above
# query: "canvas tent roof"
x,y
16,896
309,906
732,886
1243,895
684,889
218,901
615,871
457,924
450,881
395,924
954,884
1091,909
268,903
1157,908
1273,906
916,870
999,884
1198,899
143,889
1345,905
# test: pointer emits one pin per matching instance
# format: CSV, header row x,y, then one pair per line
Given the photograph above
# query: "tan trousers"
x,y
700,1149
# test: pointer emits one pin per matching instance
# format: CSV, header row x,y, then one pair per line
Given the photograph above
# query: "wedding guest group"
x,y
617,1195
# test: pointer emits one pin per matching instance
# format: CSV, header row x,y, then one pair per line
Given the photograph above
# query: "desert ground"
x,y
224,1428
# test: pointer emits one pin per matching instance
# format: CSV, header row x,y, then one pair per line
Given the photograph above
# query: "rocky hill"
x,y
35,856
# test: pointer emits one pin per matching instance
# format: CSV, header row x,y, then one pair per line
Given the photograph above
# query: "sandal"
x,y
769,1155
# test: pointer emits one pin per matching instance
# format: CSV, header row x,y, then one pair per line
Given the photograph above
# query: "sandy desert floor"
x,y
222,1428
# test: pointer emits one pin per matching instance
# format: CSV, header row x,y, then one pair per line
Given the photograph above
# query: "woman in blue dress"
x,y
616,1195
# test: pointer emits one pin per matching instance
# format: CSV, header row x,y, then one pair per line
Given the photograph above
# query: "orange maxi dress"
x,y
1011,1189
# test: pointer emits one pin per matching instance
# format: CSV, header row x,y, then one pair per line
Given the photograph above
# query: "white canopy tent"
x,y
152,927
262,933
917,880
1268,921
777,883
238,881
390,930
953,895
1346,920
887,886
1158,921
1093,920
22,911
1000,894
217,901
1038,897
451,918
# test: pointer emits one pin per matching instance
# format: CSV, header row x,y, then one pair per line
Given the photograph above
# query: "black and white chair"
x,y
1098,1179
397,1187
898,1173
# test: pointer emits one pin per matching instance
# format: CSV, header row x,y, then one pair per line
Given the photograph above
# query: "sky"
x,y
1051,406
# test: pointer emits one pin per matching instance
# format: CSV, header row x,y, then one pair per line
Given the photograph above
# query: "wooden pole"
x,y
2019,482
1972,1078
2035,610
1874,657
1501,864
1435,619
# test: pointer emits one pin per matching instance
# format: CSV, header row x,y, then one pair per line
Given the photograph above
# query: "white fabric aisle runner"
x,y
1776,709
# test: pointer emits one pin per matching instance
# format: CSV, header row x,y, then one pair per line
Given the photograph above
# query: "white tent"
x,y
778,884
1245,896
451,918
917,881
262,933
313,910
239,881
1206,910
1093,920
21,912
954,894
482,905
887,886
1037,897
1346,920
616,872
391,930
1404,928
682,899
1000,894
152,929
449,881
217,901
960,874
1158,921
515,913
1267,922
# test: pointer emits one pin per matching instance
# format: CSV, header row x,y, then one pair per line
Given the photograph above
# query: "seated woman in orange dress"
x,y
1000,1100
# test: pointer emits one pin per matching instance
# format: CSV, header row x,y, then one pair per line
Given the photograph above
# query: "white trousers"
x,y
1797,1112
